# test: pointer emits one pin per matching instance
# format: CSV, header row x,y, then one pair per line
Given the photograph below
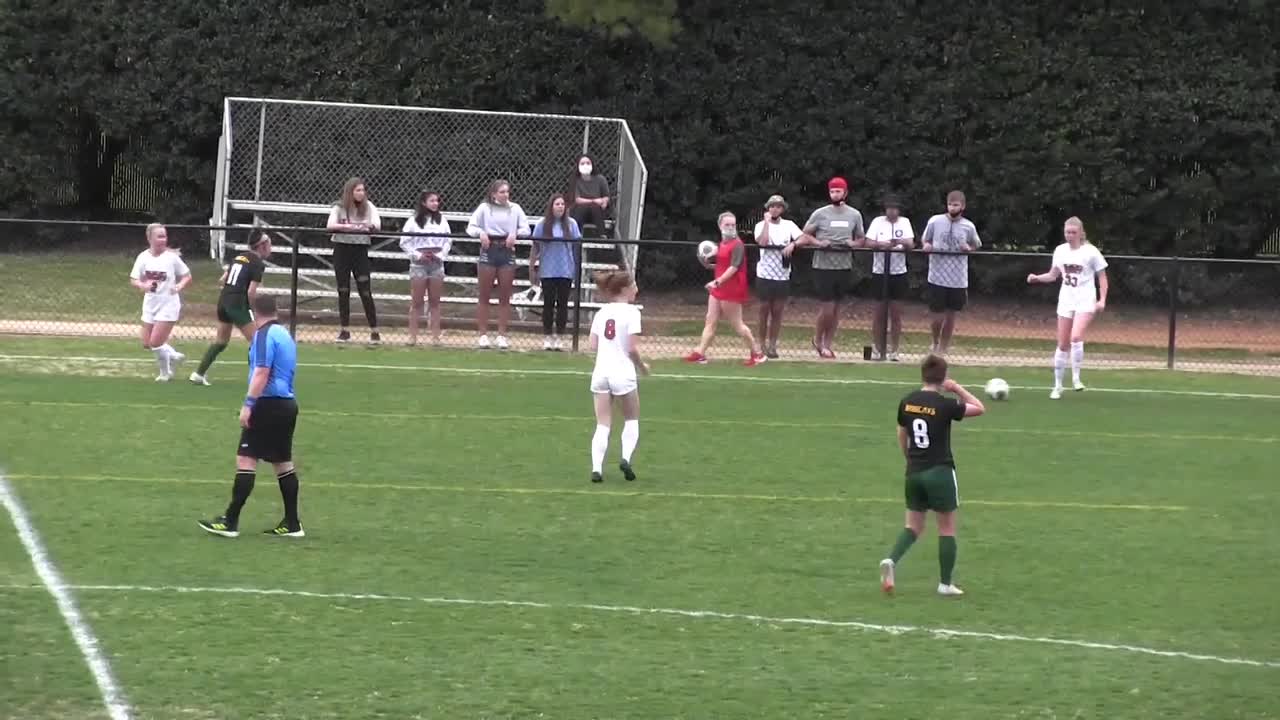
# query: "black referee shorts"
x,y
269,436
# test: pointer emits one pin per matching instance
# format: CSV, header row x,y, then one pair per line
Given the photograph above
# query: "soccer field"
x,y
1116,547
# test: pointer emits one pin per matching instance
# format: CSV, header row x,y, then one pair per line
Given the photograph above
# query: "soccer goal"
x,y
283,162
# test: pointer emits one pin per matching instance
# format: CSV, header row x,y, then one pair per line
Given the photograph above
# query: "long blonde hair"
x,y
1073,220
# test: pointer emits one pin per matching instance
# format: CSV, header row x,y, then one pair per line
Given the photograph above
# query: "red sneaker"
x,y
696,357
755,359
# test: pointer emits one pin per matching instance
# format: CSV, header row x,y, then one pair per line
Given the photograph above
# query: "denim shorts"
x,y
497,255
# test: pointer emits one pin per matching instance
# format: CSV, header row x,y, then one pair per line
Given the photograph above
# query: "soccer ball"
x,y
706,251
997,389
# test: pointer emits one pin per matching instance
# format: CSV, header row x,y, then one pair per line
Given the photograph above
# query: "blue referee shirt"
x,y
273,348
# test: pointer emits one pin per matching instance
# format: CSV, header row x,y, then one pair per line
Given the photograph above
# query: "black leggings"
x,y
555,297
351,260
589,215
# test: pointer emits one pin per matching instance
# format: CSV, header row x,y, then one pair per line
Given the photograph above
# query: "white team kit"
x,y
165,269
1079,268
614,325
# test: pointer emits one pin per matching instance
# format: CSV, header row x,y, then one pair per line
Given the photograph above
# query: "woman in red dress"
x,y
728,292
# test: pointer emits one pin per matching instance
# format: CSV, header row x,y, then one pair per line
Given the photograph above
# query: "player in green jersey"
x,y
924,434
239,288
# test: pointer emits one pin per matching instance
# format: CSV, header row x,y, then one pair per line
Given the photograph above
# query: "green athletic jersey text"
x,y
927,415
244,268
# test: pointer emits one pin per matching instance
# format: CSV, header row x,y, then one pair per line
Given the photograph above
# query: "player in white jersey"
x,y
613,340
1083,272
161,275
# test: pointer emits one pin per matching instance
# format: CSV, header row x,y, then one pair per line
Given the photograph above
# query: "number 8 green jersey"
x,y
927,415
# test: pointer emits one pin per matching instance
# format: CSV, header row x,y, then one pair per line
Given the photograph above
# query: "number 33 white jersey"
x,y
614,325
1079,268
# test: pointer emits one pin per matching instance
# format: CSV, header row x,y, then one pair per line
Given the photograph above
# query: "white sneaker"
x,y
164,378
502,343
198,379
886,575
876,354
1078,386
483,342
556,343
1055,394
893,356
548,343
949,590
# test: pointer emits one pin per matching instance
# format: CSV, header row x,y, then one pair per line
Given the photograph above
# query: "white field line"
x,y
112,696
768,379
937,632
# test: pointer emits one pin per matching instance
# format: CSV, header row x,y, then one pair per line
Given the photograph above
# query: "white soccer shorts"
x,y
616,385
1071,305
161,308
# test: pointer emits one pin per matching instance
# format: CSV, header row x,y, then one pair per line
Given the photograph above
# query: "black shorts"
x,y
767,289
351,260
942,298
269,436
234,309
830,285
898,286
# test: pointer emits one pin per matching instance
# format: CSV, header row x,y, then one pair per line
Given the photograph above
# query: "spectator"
x,y
776,237
889,232
727,293
588,195
161,275
351,219
948,289
834,230
552,263
427,254
497,222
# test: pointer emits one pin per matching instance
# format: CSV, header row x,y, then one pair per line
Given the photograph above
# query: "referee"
x,y
268,418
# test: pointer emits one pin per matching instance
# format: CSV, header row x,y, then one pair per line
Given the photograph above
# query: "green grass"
x,y
756,497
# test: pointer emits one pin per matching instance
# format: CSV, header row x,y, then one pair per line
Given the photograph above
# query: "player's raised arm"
x,y
973,407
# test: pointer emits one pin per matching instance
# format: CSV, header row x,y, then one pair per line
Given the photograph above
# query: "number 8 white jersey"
x,y
613,327
1079,268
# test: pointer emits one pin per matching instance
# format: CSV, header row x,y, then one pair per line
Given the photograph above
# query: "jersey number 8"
x,y
610,329
920,429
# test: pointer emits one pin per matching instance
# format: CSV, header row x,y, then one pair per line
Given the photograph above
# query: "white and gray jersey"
x,y
945,234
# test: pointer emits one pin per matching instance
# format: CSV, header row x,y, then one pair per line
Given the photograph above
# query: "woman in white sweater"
x,y
497,222
427,253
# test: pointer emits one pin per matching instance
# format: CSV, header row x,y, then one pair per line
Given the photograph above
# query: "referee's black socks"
x,y
239,496
289,493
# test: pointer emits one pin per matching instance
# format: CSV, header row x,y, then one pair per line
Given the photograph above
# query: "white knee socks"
x,y
630,436
1059,366
1077,360
599,445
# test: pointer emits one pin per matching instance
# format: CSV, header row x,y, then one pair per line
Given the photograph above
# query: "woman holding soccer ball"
x,y
1083,272
727,293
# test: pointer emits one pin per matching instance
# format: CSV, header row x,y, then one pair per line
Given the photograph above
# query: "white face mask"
x,y
585,169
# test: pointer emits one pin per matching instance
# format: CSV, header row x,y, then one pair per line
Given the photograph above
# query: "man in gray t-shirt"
x,y
832,230
948,288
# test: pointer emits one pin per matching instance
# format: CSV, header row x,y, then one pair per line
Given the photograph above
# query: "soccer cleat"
x,y
1078,386
165,377
501,343
375,338
696,358
755,359
627,472
219,526
949,590
597,477
482,342
1055,394
282,529
886,575
175,360
198,379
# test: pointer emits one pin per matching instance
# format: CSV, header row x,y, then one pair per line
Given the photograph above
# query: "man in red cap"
x,y
833,230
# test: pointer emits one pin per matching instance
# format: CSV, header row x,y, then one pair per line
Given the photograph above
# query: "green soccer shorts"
x,y
933,489
235,311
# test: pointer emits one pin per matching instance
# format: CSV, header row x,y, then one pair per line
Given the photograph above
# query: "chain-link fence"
x,y
71,279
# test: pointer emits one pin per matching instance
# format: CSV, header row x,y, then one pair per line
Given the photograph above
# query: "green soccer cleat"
x,y
283,530
220,526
